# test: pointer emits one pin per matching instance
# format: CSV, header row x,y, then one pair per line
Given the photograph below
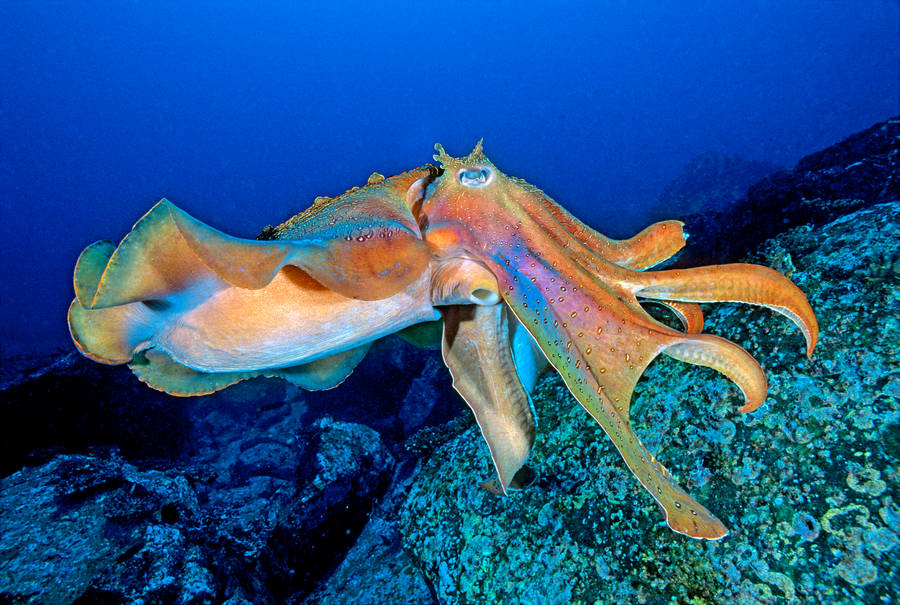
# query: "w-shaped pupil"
x,y
474,177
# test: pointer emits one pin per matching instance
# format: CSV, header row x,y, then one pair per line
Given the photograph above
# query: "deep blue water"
x,y
243,114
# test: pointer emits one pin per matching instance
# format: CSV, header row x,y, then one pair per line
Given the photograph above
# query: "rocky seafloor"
x,y
112,493
807,484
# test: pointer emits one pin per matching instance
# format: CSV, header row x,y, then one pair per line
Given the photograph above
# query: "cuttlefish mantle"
x,y
463,258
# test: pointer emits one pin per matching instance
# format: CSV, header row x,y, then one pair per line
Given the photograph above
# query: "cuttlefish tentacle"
x,y
728,358
600,347
689,314
738,282
476,345
583,312
476,349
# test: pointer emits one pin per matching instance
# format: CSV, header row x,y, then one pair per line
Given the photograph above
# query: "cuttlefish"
x,y
509,281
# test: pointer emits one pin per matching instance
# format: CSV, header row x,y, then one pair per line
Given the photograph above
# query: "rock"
x,y
709,182
377,569
405,388
856,173
260,521
70,404
807,484
92,528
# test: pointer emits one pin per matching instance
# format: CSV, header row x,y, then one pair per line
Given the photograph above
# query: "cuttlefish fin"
x,y
738,282
426,335
323,374
369,258
109,334
150,263
370,252
476,349
159,371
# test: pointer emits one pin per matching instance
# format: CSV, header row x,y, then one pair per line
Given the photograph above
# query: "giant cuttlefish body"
x,y
518,282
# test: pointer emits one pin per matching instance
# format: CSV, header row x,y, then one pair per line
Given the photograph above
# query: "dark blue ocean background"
x,y
242,113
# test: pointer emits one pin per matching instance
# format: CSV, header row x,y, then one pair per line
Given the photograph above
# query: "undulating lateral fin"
x,y
152,262
158,370
426,335
108,335
325,373
476,349
89,269
737,282
368,259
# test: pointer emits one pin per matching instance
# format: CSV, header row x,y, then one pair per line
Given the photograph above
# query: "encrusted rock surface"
x,y
807,484
259,516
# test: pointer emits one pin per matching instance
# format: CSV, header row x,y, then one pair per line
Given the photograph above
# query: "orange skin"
x,y
518,281
559,279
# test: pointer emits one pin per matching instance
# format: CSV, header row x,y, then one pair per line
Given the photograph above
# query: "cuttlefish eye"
x,y
477,176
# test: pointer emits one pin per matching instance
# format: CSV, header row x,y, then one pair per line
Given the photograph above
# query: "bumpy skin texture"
x,y
193,310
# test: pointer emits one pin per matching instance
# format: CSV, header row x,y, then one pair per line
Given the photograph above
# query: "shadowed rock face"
x,y
860,171
262,522
252,493
709,182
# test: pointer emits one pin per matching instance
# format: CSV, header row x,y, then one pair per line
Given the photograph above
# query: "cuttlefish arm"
x,y
207,303
476,345
737,282
583,313
650,247
477,350
654,244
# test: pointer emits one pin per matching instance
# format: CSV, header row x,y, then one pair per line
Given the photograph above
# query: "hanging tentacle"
x,y
476,349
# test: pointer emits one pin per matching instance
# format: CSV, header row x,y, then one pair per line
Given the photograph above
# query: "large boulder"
x,y
258,517
709,182
807,484
858,172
